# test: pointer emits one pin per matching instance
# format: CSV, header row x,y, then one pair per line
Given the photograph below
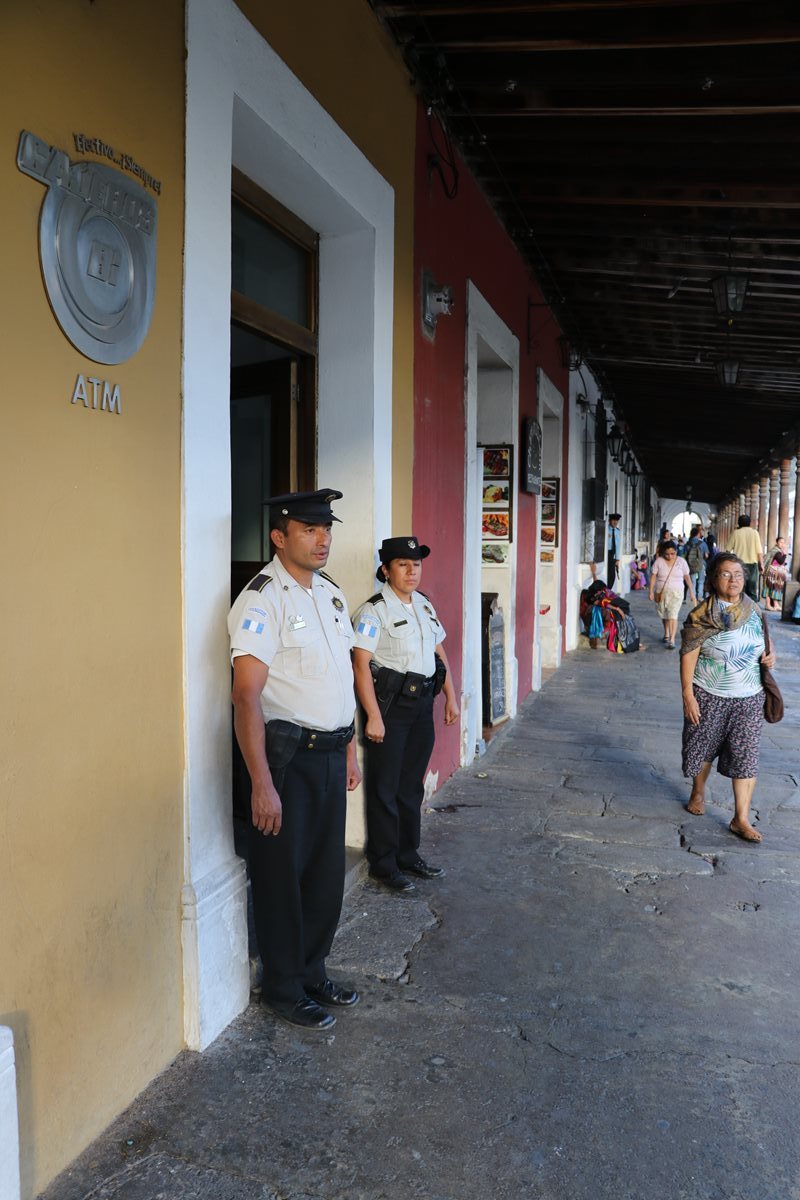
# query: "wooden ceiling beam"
x,y
770,198
719,35
615,112
464,8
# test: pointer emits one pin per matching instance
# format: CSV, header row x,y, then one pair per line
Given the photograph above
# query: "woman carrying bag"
x,y
667,579
727,690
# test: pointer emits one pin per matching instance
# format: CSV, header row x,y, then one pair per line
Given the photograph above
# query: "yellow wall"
x,y
341,54
90,715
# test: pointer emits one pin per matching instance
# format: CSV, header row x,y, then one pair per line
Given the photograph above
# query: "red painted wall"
x,y
460,240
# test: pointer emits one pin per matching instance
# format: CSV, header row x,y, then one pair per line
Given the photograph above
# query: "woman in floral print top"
x,y
722,647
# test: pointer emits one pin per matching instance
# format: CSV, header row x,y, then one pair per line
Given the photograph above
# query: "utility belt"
x,y
405,689
284,739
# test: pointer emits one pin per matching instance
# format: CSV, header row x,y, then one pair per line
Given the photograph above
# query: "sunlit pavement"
x,y
600,1000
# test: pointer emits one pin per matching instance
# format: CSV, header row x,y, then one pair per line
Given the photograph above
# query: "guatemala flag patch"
x,y
253,626
367,627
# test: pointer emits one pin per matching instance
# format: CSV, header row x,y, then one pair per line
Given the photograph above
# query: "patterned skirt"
x,y
729,730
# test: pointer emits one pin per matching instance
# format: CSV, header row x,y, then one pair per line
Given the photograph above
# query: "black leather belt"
x,y
320,739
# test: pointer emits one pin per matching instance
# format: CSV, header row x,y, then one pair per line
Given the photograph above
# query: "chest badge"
x,y
297,622
337,604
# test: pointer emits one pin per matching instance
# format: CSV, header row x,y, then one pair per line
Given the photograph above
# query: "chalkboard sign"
x,y
493,660
497,668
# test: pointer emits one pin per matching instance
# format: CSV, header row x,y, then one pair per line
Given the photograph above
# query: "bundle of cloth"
x,y
605,615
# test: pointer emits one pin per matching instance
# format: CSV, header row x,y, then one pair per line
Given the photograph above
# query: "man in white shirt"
x,y
290,646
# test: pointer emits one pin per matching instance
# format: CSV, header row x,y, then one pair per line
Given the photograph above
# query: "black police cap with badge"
x,y
399,547
312,508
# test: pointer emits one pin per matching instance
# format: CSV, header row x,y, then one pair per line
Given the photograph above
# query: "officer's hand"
x,y
451,712
375,730
353,776
266,809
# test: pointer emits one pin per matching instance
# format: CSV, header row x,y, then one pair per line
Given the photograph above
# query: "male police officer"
x,y
614,548
290,645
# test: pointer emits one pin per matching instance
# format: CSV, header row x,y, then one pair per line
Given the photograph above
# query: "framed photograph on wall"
x,y
548,517
494,554
497,497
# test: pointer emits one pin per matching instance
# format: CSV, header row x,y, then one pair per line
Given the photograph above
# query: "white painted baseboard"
x,y
215,956
9,1126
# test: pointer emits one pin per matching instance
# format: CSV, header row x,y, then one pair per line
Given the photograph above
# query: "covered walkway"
x,y
599,1001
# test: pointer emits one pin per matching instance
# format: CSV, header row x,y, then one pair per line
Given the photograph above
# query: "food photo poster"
x,y
496,506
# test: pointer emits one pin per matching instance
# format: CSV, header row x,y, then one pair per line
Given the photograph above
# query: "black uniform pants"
x,y
297,878
395,770
612,568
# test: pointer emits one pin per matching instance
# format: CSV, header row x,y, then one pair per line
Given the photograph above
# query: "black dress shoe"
x,y
306,1014
334,995
396,883
424,870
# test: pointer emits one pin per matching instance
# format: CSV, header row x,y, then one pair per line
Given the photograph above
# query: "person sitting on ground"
x,y
666,589
722,645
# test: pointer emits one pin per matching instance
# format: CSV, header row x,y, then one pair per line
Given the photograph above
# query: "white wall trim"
x,y
483,322
245,108
547,637
9,1123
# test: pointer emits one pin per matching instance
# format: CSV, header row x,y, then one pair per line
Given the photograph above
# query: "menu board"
x,y
497,505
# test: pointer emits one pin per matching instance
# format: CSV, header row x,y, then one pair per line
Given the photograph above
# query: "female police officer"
x,y
398,640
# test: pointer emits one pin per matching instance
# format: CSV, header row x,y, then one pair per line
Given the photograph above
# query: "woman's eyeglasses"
x,y
731,575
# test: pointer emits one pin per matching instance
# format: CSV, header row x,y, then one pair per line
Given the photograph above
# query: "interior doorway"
x,y
490,542
551,532
273,428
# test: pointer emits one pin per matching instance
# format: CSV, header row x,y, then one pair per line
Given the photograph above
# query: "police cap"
x,y
614,517
400,547
312,507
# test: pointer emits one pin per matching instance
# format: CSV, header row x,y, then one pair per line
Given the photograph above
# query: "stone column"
x,y
783,510
796,533
753,502
763,508
772,520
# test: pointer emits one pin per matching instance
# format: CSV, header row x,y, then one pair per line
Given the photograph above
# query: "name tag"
x,y
398,623
296,623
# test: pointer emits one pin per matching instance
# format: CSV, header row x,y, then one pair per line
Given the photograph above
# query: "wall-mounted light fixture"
x,y
571,358
614,441
437,301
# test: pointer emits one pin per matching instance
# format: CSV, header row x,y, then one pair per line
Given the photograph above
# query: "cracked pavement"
x,y
598,1001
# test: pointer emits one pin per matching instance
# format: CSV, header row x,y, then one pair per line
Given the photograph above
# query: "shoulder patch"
x,y
259,583
326,576
374,599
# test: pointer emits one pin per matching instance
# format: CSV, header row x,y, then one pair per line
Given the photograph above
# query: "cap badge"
x,y
412,544
337,604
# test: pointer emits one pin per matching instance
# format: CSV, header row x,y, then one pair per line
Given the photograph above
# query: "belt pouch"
x,y
412,686
440,674
282,741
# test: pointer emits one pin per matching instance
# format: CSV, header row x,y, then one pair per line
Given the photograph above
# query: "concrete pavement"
x,y
598,1001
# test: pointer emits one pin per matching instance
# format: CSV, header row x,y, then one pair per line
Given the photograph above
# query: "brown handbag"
x,y
773,700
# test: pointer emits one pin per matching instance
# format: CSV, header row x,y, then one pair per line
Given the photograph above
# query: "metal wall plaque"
x,y
531,456
97,244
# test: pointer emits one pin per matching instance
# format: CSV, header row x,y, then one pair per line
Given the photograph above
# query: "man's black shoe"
x,y
423,870
306,1013
396,883
334,995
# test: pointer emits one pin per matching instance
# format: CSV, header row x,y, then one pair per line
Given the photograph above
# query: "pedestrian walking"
x,y
697,554
294,706
400,666
776,572
614,545
667,577
722,649
745,543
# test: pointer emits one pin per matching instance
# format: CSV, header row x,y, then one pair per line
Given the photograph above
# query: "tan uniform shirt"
x,y
746,544
305,640
400,636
